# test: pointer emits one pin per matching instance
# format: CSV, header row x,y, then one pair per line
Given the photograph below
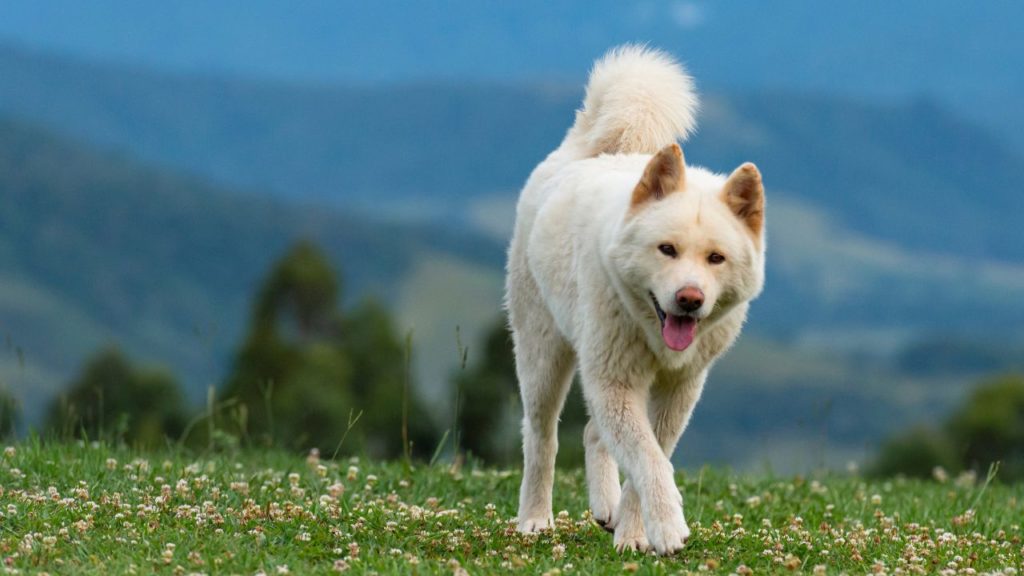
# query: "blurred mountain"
x,y
96,248
889,217
911,173
141,208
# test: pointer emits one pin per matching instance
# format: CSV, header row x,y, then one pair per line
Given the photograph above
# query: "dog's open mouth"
x,y
677,331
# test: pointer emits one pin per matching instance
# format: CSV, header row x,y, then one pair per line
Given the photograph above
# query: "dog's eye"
x,y
668,250
715,258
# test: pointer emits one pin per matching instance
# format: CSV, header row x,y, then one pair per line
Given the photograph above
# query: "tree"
x,y
916,453
382,384
115,400
489,410
304,370
990,426
987,428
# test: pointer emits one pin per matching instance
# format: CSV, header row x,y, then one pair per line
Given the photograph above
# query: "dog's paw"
x,y
604,496
668,537
629,533
606,525
631,541
603,515
533,525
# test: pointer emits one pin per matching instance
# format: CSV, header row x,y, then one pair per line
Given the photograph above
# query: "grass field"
x,y
79,509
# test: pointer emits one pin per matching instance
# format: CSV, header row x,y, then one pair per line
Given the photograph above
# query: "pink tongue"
x,y
678,331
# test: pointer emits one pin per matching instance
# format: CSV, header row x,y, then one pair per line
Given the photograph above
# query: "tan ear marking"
x,y
744,194
665,173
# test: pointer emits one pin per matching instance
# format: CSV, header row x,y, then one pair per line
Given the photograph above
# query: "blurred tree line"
x,y
309,374
489,409
307,370
114,398
987,428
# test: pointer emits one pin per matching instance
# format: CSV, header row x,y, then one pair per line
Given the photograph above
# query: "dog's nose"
x,y
690,298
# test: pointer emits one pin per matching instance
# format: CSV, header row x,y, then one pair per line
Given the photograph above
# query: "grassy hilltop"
x,y
80,509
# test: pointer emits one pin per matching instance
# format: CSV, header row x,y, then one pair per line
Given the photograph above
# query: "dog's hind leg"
x,y
544,366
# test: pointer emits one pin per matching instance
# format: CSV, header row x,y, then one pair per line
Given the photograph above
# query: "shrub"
x,y
112,399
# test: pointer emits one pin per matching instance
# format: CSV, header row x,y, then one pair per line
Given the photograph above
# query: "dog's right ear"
x,y
664,174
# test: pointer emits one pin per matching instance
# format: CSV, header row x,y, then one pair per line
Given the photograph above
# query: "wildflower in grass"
x,y
336,490
967,479
313,458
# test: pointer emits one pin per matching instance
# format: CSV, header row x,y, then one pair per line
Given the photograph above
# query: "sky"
x,y
911,45
966,55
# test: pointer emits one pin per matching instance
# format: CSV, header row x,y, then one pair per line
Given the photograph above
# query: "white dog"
x,y
638,269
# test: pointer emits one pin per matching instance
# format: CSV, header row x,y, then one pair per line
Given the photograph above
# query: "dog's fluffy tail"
x,y
638,100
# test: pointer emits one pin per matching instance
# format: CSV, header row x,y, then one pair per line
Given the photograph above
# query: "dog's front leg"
x,y
618,404
670,405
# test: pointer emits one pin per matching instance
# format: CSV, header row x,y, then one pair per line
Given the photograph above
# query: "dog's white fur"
x,y
585,261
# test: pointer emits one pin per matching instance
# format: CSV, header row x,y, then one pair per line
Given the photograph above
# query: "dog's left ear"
x,y
744,194
664,174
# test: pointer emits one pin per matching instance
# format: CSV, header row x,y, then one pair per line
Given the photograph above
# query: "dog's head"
x,y
691,246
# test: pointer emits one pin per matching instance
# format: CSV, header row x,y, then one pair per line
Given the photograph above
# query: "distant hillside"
x,y
95,247
421,144
911,174
886,226
882,218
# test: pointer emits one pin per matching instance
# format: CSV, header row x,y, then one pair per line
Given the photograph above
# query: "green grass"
x,y
74,509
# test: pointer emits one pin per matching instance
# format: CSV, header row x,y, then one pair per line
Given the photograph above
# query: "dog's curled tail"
x,y
638,101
